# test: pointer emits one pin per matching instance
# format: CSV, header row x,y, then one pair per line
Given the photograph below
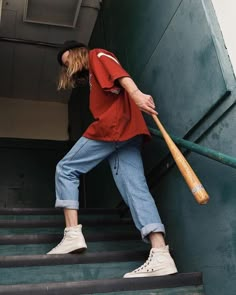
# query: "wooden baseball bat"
x,y
190,177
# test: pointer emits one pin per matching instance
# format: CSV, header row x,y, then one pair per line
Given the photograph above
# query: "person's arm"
x,y
144,101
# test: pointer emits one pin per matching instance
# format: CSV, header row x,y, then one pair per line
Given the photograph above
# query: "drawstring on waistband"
x,y
116,164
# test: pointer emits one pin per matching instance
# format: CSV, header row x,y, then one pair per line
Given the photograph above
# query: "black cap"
x,y
67,46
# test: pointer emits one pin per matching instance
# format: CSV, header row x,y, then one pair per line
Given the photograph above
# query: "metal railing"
x,y
201,150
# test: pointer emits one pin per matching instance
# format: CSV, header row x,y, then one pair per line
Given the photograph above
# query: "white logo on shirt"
x,y
107,55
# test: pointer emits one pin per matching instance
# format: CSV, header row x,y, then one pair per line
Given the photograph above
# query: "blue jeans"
x,y
128,174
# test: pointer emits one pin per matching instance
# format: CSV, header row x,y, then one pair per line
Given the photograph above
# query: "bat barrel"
x,y
187,172
200,194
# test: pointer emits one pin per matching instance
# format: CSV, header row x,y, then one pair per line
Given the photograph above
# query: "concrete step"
x,y
114,286
82,258
19,239
189,290
52,211
66,272
114,248
89,229
100,246
28,222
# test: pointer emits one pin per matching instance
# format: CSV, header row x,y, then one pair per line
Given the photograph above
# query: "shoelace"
x,y
65,233
145,263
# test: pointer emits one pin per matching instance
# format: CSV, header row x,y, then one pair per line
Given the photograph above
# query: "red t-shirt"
x,y
117,118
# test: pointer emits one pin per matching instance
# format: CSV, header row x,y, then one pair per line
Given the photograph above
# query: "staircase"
x,y
114,248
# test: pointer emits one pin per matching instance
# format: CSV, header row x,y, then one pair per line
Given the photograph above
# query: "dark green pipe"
x,y
209,153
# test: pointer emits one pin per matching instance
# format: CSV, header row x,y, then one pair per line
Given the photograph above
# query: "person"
x,y
116,134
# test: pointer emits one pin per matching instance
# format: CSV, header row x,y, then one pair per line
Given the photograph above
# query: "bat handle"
x,y
160,126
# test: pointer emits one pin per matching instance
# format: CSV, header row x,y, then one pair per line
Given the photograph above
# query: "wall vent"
x,y
52,12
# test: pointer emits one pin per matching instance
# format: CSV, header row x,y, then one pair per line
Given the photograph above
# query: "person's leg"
x,y
84,156
132,185
156,239
131,182
71,217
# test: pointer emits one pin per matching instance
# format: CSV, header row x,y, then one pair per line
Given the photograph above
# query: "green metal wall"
x,y
27,172
174,50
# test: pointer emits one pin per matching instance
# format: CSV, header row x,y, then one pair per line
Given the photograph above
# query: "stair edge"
x,y
105,286
84,258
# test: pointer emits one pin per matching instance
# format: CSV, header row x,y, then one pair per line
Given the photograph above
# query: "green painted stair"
x,y
114,248
160,285
100,246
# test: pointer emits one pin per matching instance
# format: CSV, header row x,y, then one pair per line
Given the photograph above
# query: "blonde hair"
x,y
78,63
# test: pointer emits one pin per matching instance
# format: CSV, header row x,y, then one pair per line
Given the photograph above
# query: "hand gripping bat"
x,y
187,172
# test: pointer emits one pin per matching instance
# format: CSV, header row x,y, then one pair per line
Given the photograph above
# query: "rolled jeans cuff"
x,y
151,228
68,204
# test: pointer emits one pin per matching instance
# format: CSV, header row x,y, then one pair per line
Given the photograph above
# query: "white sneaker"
x,y
159,263
73,241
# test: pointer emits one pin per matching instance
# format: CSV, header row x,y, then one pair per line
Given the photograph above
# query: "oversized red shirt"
x,y
117,118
